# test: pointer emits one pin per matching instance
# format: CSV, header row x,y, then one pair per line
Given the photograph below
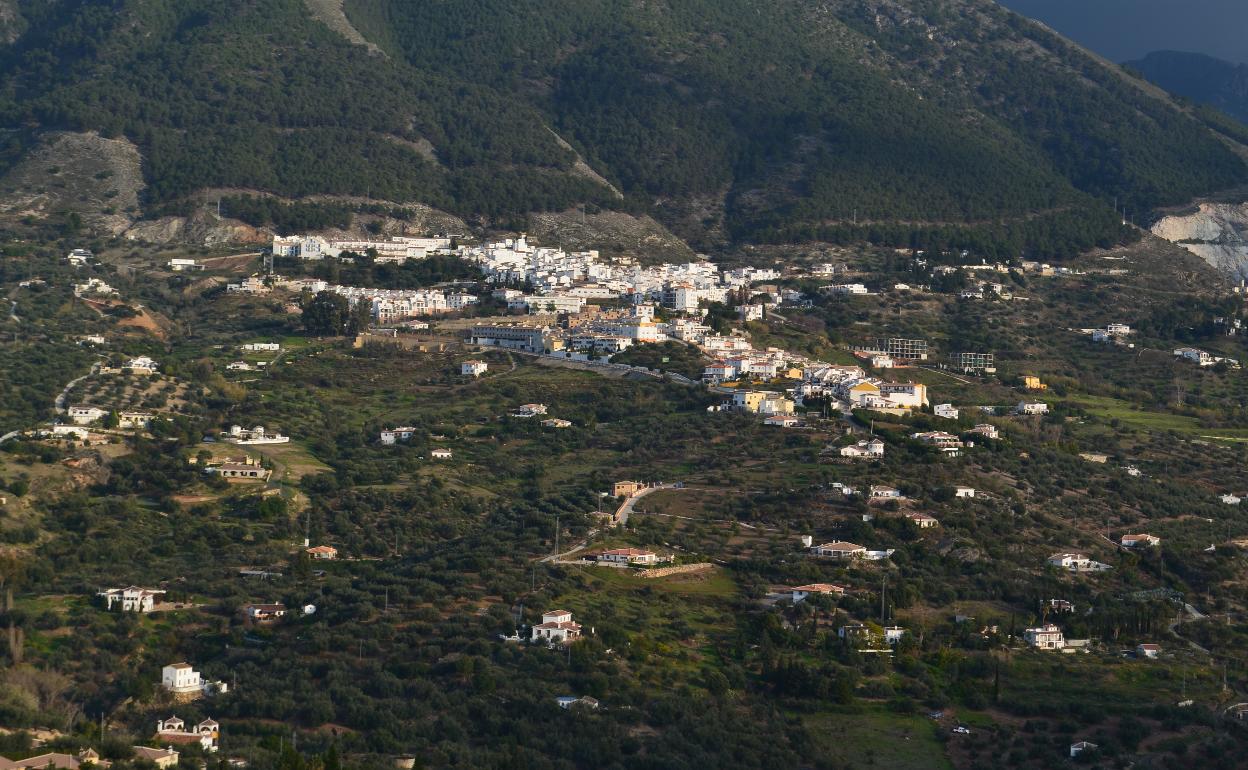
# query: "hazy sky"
x,y
1127,29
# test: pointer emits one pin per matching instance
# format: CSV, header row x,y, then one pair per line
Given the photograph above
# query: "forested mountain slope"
x,y
728,119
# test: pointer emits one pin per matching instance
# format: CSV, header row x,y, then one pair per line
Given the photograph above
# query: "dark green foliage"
x,y
330,315
792,120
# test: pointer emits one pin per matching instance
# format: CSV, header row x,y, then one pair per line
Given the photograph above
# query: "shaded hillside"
x,y
1203,79
916,122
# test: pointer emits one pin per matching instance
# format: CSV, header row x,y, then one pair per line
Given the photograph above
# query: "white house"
x,y
800,593
947,411
322,552
390,437
1032,407
79,257
441,454
181,678
1140,541
555,422
1230,499
257,435
628,556
238,366
1149,651
922,520
881,361
529,410
877,492
893,634
132,599
1046,637
262,347
872,448
1076,562
134,420
173,731
963,491
184,265
142,365
557,627
1078,748
840,549
473,368
987,430
85,415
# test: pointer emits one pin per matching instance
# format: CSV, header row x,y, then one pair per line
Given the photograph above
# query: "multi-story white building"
x,y
132,599
1046,637
557,627
181,678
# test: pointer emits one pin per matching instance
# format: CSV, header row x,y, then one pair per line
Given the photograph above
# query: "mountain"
x,y
1203,79
909,122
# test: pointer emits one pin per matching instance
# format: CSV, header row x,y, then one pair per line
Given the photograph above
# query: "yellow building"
x,y
1031,382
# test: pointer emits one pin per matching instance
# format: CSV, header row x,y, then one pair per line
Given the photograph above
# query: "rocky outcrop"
x,y
1216,232
97,179
202,229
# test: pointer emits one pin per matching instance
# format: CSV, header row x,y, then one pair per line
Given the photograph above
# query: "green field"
x,y
879,739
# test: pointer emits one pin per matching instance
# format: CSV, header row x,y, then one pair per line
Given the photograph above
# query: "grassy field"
x,y
879,739
1140,419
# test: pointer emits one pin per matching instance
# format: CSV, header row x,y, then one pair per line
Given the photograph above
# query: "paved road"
x,y
64,394
622,514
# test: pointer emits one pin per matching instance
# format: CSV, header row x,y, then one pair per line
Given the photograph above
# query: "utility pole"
x,y
556,536
883,591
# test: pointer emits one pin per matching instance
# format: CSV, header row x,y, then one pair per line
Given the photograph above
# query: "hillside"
x,y
729,121
1203,79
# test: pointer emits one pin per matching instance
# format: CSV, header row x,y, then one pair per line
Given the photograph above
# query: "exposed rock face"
x,y
1216,232
96,178
202,230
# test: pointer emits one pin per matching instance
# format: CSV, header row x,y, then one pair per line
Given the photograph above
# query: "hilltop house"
x,y
257,435
441,454
557,627
1032,407
473,368
134,420
173,731
826,589
1046,637
390,437
947,411
162,758
1076,562
245,471
132,599
322,552
922,520
987,430
142,365
180,678
628,556
1139,541
946,443
871,448
529,410
85,415
839,549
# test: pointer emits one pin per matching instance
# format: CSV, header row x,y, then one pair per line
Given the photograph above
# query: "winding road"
x,y
64,394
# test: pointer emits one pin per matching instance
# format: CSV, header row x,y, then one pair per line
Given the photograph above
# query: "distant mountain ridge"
x,y
1203,79
909,122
